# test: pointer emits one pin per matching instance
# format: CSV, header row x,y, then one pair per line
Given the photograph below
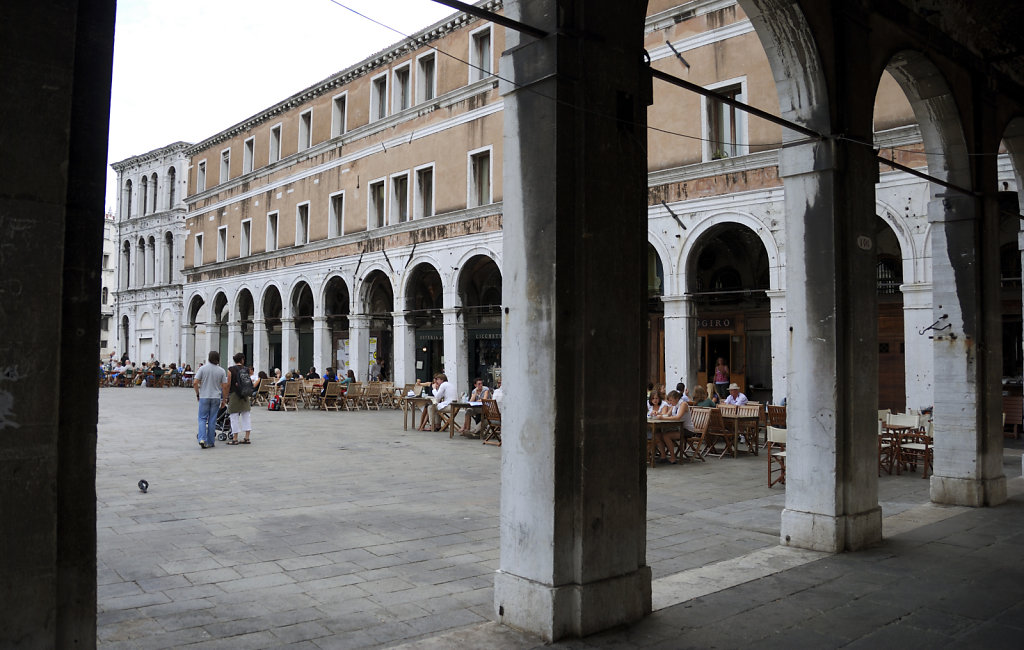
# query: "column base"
x,y
971,492
571,610
829,533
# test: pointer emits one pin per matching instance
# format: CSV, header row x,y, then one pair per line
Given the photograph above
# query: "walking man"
x,y
239,392
211,385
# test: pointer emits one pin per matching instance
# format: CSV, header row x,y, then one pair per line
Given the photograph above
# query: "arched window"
x,y
105,295
126,262
170,187
168,257
155,193
127,199
144,196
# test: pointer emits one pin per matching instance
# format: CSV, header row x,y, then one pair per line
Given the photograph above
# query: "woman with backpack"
x,y
240,389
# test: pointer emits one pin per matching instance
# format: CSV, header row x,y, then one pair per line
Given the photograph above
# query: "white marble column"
x,y
968,444
404,371
832,464
322,345
456,360
188,346
780,345
234,341
261,347
289,346
213,339
681,353
359,345
918,357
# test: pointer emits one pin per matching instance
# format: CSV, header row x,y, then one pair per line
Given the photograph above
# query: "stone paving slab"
x,y
340,530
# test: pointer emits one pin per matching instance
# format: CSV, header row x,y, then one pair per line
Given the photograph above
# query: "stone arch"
x,y
264,293
171,179
300,284
127,198
197,312
143,195
1013,138
156,194
668,264
221,308
418,261
145,321
126,265
776,265
368,282
168,265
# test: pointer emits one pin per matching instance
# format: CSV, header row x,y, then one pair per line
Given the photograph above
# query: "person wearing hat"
x,y
735,396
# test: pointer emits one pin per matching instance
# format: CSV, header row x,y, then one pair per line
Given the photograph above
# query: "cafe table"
x,y
654,426
454,409
409,406
737,423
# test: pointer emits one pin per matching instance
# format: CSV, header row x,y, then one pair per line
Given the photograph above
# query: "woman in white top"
x,y
678,410
655,405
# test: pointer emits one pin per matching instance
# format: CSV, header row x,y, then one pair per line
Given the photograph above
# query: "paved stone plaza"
x,y
339,530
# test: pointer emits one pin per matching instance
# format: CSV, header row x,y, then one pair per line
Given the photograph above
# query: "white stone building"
x,y
108,279
151,236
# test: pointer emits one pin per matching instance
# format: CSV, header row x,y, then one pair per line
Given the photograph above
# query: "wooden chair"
x,y
370,397
262,394
776,456
883,414
886,451
1013,410
352,396
331,397
692,444
717,430
915,448
776,417
490,416
291,396
750,430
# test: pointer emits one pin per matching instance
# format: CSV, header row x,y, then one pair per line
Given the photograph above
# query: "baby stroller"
x,y
223,426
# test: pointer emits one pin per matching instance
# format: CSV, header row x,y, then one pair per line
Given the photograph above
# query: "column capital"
x,y
673,299
358,320
807,158
319,320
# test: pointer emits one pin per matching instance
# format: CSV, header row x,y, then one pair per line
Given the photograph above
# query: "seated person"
x,y
444,395
681,389
479,393
349,378
700,398
680,411
712,393
656,405
312,374
329,376
735,396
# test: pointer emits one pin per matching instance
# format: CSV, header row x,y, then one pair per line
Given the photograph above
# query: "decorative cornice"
x,y
346,76
149,156
713,168
682,12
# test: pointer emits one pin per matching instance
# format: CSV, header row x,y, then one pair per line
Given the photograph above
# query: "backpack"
x,y
274,404
243,383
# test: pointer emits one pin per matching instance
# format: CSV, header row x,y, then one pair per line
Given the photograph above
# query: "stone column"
x,y
573,503
261,347
681,354
965,296
213,340
832,468
455,359
188,345
404,371
234,342
322,345
359,345
289,346
917,315
780,345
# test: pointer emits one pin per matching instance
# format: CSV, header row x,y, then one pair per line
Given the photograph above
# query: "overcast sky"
x,y
187,69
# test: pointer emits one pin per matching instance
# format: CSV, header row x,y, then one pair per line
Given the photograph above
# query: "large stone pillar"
x,y
322,345
832,467
780,345
289,346
261,347
188,345
455,354
965,284
681,354
234,343
918,358
213,340
404,371
359,345
573,502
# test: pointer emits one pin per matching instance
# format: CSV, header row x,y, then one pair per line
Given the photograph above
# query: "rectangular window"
x,y
302,224
245,243
400,198
201,176
426,78
248,149
336,227
271,231
306,130
275,143
402,89
339,109
379,98
725,127
225,165
222,243
106,261
479,178
480,57
197,255
424,192
375,209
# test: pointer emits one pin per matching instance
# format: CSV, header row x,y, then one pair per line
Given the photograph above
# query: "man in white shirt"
x,y
735,396
444,395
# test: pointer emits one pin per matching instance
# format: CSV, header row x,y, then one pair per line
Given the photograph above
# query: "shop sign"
x,y
715,323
